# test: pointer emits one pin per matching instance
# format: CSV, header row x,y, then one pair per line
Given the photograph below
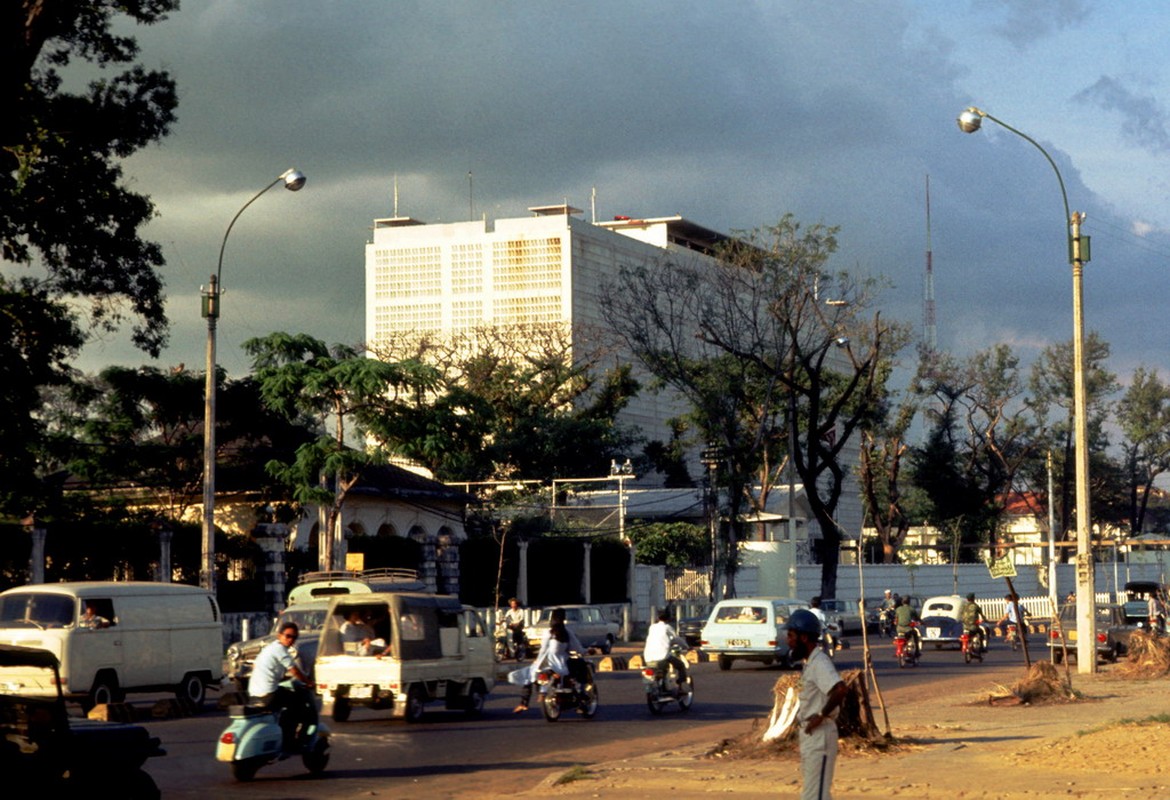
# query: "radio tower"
x,y
929,330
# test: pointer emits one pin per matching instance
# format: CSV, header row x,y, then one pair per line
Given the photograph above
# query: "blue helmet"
x,y
804,621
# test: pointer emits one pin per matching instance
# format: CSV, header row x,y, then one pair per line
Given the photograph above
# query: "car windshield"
x,y
307,620
36,609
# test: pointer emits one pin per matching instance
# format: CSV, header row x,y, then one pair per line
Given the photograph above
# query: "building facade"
x,y
550,267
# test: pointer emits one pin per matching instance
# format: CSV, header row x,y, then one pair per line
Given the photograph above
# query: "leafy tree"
x,y
38,337
299,375
1051,386
65,214
512,401
884,451
62,204
1144,417
672,544
981,437
773,353
142,428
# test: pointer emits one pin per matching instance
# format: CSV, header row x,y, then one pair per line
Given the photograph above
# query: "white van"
x,y
424,648
140,637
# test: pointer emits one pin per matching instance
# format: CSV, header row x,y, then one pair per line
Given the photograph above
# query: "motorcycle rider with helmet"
x,y
821,692
971,615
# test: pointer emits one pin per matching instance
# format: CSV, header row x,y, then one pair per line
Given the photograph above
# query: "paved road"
x,y
448,754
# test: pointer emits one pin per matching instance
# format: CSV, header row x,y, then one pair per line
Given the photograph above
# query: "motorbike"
x,y
831,639
254,739
561,693
973,647
510,643
885,623
908,647
1012,637
666,687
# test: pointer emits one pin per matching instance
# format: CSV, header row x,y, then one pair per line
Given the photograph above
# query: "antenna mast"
x,y
929,329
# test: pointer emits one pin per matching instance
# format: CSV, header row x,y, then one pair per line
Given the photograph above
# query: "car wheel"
x,y
105,690
724,663
608,644
415,704
341,709
192,690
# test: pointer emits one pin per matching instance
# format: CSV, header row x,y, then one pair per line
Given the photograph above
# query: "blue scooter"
x,y
255,739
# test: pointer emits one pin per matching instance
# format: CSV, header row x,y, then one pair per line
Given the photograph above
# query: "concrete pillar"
x,y
587,574
272,537
36,556
522,579
165,568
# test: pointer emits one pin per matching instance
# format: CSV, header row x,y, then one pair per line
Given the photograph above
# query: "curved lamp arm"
x,y
293,181
971,119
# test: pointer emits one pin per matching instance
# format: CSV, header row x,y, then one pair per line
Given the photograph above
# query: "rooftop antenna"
x,y
593,205
470,197
396,194
929,329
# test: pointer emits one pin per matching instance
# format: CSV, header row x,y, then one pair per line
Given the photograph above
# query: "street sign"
x,y
1001,567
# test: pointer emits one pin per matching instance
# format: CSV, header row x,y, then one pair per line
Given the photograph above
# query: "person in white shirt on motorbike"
x,y
657,651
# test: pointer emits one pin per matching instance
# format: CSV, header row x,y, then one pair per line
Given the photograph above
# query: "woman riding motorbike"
x,y
555,649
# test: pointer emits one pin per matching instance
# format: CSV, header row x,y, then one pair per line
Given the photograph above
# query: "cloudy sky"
x,y
731,114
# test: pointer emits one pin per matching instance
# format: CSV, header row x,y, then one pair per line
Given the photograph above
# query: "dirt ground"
x,y
1112,741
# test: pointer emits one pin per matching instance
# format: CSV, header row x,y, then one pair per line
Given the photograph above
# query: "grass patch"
x,y
1153,719
577,773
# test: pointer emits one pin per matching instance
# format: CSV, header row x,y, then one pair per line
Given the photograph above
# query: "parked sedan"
x,y
1113,632
845,613
691,628
590,625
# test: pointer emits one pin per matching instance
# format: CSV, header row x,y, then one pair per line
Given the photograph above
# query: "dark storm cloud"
x,y
731,114
1143,122
1024,22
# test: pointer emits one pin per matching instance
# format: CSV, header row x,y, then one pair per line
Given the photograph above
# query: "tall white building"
x,y
549,267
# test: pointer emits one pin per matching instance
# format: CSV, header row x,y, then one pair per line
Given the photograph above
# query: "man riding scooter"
x,y
275,661
657,652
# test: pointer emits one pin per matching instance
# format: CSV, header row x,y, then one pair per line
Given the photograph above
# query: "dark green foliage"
x,y
62,203
672,544
38,337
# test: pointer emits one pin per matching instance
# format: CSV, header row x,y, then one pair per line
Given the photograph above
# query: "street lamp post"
x,y
711,457
1078,253
293,181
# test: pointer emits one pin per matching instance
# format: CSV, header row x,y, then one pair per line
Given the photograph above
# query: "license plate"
x,y
1071,636
225,752
739,643
361,692
933,633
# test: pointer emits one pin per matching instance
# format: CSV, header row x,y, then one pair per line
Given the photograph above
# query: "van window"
x,y
36,609
102,613
473,624
418,629
337,637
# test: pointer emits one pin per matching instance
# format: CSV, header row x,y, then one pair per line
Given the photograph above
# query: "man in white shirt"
x,y
821,693
264,689
659,640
